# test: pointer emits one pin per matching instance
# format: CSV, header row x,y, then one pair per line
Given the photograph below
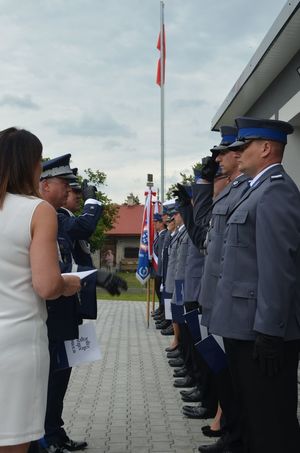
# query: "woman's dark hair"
x,y
20,151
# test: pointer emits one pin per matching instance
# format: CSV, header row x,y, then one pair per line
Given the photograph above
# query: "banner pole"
x,y
148,303
153,294
162,103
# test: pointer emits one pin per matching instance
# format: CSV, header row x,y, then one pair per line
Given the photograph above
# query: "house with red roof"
x,y
124,238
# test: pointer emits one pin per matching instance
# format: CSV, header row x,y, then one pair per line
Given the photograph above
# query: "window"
x,y
131,252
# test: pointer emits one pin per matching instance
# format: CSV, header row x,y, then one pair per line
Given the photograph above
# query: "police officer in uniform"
x,y
256,306
157,248
64,315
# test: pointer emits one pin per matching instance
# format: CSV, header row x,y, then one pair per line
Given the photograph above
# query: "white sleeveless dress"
x,y
24,357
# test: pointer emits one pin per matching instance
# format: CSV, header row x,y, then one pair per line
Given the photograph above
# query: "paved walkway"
x,y
126,402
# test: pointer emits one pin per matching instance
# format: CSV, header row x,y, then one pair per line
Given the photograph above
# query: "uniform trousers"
x,y
268,405
230,422
198,370
57,387
157,283
188,349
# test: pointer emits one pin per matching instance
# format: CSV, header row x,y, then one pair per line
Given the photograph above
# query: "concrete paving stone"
x,y
140,450
138,434
161,446
156,429
118,448
96,450
95,434
118,430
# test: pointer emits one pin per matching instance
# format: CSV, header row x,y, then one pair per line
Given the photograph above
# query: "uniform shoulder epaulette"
x,y
275,177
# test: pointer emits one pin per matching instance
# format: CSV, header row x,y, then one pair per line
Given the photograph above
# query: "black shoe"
x,y
174,355
158,311
160,317
221,446
194,397
54,448
184,382
207,431
176,362
171,348
73,445
197,412
168,331
34,447
188,392
189,407
163,325
180,372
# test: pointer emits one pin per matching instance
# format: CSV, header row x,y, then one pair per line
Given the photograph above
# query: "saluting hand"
x,y
209,169
88,191
181,195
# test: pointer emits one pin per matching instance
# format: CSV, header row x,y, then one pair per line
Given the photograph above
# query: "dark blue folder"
x,y
178,313
212,353
192,320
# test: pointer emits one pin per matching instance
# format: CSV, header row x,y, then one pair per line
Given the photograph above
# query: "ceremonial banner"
x,y
146,242
156,210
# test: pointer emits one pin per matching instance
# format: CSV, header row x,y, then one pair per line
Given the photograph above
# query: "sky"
x,y
80,74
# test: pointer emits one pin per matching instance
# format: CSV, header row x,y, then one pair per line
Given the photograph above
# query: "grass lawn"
x,y
136,291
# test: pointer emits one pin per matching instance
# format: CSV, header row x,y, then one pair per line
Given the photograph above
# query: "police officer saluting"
x,y
65,315
256,307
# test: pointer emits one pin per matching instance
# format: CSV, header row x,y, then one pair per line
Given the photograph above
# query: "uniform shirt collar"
x,y
256,178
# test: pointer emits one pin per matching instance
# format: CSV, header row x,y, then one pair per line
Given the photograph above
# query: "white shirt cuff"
x,y
92,201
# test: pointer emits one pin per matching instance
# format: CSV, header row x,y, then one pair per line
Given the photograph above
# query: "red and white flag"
x,y
161,45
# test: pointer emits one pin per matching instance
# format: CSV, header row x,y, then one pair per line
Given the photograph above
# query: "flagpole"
x,y
162,102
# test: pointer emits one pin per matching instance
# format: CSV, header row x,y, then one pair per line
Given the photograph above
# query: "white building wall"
x,y
122,244
282,101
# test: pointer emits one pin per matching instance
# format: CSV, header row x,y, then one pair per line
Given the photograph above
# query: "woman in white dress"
x,y
29,273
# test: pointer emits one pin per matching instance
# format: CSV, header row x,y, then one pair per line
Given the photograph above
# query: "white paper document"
x,y
85,349
168,313
82,274
203,329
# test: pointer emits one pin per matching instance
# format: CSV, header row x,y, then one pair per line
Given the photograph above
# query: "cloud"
x,y
89,126
22,102
91,64
189,103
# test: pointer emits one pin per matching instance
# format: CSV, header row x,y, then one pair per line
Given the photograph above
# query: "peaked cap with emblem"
x,y
157,217
228,136
170,207
59,167
260,129
75,185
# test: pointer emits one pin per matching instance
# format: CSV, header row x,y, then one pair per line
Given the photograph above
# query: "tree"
x,y
132,199
98,178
